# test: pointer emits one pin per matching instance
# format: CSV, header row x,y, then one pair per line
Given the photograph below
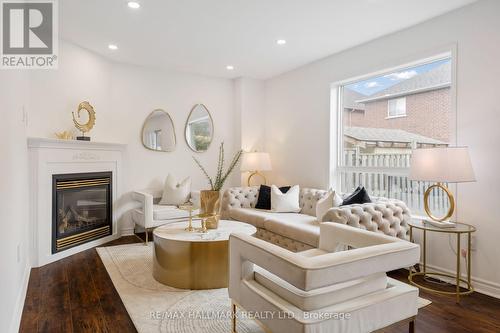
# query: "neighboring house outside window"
x,y
379,130
427,105
396,107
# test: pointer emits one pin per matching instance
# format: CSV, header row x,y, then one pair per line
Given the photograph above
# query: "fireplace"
x,y
81,208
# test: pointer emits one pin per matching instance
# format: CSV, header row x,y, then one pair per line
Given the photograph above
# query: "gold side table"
x,y
458,230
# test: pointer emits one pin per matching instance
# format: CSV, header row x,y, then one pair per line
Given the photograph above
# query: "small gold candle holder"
x,y
189,208
203,228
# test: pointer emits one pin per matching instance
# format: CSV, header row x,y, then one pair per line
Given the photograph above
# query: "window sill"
x,y
392,117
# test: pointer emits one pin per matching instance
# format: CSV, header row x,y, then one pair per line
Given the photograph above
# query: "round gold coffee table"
x,y
194,260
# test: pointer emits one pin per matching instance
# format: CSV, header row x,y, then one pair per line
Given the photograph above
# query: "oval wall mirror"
x,y
199,129
158,132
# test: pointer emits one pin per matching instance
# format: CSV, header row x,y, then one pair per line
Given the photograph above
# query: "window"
x,y
373,150
396,107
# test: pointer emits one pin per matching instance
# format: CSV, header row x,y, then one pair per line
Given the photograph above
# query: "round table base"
x,y
468,290
191,265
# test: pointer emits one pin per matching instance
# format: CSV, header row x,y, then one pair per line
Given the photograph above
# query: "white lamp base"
x,y
443,224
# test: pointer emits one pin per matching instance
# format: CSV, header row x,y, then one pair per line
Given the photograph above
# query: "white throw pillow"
x,y
323,205
285,202
337,199
331,199
175,193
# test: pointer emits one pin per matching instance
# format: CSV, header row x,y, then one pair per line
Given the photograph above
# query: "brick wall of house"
x,y
427,114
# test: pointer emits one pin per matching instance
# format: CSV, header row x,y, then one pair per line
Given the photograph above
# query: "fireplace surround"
x,y
51,159
82,208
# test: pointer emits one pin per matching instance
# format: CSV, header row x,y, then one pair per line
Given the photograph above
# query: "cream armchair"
x,y
150,214
324,289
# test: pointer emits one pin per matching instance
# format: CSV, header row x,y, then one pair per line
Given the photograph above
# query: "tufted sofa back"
x,y
246,197
383,215
238,197
308,199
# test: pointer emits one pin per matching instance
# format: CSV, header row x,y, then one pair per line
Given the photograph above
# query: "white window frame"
x,y
337,164
389,115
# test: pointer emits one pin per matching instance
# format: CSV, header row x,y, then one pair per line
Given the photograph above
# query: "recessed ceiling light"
x,y
229,67
281,42
112,47
133,4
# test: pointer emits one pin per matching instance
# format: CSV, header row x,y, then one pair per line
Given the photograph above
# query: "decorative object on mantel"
x,y
441,165
84,128
255,162
64,135
158,132
210,199
199,129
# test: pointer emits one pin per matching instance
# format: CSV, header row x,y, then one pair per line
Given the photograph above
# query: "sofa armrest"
x,y
145,200
386,216
238,197
335,235
308,273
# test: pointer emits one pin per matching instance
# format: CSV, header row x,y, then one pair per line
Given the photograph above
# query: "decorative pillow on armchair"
x,y
175,193
264,199
285,202
359,196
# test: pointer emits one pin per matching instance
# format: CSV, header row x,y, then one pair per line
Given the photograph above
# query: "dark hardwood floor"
x,y
76,294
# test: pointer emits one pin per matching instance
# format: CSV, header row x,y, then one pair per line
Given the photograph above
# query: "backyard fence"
x,y
386,175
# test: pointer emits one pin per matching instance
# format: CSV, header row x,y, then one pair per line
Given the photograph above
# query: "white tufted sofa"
x,y
300,231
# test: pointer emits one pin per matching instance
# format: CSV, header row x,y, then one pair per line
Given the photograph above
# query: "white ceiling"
x,y
203,36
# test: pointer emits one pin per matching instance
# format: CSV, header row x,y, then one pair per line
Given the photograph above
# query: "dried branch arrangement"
x,y
220,178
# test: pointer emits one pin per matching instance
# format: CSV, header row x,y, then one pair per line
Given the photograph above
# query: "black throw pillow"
x,y
264,198
359,196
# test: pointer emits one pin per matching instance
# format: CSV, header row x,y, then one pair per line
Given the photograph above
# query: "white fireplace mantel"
x,y
48,157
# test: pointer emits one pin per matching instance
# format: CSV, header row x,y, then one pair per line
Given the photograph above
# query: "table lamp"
x,y
441,165
254,162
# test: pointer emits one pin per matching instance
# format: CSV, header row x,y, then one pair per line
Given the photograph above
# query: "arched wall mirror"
x,y
199,129
158,132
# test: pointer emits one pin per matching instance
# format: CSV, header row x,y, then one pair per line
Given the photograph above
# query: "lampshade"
x,y
255,161
442,165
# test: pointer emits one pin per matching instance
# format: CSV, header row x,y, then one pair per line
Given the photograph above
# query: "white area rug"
x,y
155,307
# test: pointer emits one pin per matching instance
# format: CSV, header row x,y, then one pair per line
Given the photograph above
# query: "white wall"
x,y
251,101
249,108
123,96
14,258
298,106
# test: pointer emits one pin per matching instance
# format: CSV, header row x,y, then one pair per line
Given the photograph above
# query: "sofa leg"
x,y
411,328
233,307
146,231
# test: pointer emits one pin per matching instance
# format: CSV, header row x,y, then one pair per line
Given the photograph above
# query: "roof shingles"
x,y
388,135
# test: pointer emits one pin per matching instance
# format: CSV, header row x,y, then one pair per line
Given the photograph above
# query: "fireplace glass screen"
x,y
81,209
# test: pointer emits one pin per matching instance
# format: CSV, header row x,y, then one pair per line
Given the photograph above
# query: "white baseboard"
x,y
21,297
480,285
127,232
